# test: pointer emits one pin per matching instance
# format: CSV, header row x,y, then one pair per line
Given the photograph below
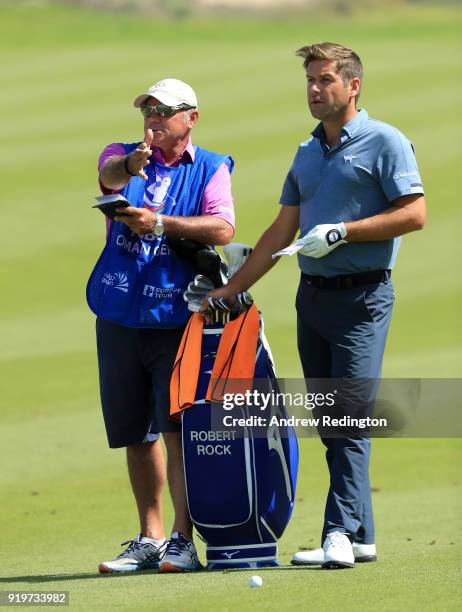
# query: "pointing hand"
x,y
139,158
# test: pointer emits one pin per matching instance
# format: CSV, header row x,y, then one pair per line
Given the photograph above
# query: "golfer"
x,y
352,190
176,189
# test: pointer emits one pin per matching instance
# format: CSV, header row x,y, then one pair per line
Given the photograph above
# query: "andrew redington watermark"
x,y
341,407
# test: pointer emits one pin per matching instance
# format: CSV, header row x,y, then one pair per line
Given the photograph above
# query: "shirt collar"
x,y
354,125
347,131
188,152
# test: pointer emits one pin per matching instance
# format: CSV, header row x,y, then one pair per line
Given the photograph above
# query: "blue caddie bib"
x,y
138,281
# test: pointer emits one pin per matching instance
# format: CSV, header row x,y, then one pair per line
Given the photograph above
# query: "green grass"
x,y
68,80
73,506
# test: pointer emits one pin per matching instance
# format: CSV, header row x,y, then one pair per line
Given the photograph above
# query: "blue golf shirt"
x,y
370,166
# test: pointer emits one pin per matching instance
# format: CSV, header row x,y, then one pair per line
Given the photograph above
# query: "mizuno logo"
x,y
348,158
228,555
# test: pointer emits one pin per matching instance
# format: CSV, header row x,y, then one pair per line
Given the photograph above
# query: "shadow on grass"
x,y
64,577
278,568
96,576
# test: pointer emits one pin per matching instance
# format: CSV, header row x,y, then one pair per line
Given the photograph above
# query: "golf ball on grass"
x,y
255,582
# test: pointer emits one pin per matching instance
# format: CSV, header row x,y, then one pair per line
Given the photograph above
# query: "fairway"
x,y
68,79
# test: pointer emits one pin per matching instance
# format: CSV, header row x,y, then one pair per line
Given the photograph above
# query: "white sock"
x,y
146,540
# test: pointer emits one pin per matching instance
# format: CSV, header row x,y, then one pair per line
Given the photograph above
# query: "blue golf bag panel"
x,y
240,490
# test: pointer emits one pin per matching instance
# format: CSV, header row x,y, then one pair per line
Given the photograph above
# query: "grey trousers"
x,y
342,334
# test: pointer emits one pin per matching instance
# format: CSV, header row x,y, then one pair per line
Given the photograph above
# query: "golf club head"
x,y
203,257
236,253
245,299
193,289
210,264
202,282
195,304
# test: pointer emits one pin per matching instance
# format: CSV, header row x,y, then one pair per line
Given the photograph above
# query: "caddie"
x,y
353,189
178,190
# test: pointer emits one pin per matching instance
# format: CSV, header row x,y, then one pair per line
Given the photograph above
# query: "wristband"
x,y
126,167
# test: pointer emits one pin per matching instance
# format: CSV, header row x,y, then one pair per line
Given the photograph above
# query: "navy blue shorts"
x,y
135,366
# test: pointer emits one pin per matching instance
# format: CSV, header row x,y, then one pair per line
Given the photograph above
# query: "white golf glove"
x,y
322,239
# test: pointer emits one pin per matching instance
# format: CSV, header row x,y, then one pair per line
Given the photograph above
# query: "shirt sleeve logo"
x,y
399,175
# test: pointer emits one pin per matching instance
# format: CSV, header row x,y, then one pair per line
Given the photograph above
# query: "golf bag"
x,y
240,489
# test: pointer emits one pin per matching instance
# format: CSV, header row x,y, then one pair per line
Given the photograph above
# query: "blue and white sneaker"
x,y
141,554
180,556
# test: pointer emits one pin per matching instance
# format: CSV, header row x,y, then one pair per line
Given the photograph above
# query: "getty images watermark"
x,y
338,407
266,402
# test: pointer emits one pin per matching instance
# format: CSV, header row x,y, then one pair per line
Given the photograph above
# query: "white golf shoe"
x,y
309,557
363,553
338,551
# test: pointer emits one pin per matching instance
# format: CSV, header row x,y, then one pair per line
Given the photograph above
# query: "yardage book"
x,y
107,204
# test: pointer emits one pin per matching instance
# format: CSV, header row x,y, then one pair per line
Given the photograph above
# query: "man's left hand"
x,y
322,239
140,220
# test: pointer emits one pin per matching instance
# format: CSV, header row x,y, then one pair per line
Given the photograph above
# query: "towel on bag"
x,y
234,365
185,374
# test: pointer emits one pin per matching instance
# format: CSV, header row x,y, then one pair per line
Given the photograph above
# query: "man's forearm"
x,y
207,229
260,260
257,265
113,174
395,221
278,235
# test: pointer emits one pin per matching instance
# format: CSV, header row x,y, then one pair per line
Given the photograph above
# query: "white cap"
x,y
169,91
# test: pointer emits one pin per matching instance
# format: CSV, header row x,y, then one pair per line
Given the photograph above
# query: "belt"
x,y
347,281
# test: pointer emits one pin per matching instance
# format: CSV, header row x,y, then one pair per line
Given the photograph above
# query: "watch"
x,y
159,225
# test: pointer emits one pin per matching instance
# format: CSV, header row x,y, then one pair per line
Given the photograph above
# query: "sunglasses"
x,y
163,110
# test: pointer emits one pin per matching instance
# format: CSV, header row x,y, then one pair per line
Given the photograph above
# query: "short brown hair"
x,y
347,62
